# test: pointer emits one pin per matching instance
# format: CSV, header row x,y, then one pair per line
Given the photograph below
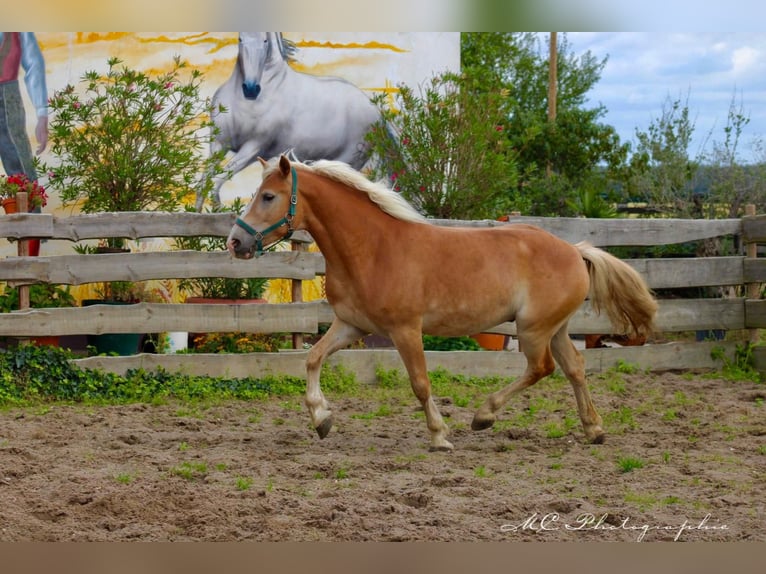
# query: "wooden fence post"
x,y
297,293
22,203
753,289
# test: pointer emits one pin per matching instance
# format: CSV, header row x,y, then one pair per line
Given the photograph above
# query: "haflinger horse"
x,y
391,272
269,107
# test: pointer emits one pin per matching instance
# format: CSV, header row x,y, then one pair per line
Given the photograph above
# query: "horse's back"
x,y
488,274
520,243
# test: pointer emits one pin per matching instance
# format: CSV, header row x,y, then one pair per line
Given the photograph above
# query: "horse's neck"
x,y
347,226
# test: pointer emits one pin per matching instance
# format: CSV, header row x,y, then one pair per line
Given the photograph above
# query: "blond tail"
x,y
618,289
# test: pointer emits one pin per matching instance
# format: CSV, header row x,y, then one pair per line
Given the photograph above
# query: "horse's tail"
x,y
618,289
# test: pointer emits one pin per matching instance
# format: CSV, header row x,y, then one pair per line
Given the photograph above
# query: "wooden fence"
x,y
745,311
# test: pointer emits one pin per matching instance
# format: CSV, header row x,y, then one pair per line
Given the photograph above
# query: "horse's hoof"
x,y
324,427
598,439
478,424
444,446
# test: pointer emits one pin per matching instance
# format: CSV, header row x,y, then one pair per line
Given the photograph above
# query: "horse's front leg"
x,y
409,343
338,336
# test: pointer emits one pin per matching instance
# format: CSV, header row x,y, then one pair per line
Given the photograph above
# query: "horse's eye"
x,y
267,197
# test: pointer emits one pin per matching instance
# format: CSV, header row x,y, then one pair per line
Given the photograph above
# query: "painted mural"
x,y
270,108
373,62
328,68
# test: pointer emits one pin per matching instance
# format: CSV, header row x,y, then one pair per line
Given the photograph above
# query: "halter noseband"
x,y
286,220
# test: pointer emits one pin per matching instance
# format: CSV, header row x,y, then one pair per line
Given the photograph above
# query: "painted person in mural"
x,y
20,50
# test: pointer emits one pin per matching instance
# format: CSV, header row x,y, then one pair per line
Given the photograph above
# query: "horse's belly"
x,y
456,326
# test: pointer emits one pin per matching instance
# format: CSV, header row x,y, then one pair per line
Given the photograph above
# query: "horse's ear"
x,y
284,165
264,163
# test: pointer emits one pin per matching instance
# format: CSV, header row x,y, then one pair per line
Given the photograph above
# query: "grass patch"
x,y
382,411
620,420
481,472
644,501
554,430
190,470
669,415
342,473
629,464
626,368
243,483
124,478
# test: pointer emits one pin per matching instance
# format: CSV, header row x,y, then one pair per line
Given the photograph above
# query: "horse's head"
x,y
271,215
254,52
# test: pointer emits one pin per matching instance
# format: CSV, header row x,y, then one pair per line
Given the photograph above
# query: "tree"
x,y
660,170
580,149
442,145
732,184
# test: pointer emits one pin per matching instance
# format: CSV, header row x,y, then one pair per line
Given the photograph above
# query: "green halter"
x,y
286,220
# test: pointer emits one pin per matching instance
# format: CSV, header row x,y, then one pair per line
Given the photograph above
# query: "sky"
x,y
706,70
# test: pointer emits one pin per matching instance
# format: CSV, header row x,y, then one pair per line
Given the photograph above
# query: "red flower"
x,y
13,184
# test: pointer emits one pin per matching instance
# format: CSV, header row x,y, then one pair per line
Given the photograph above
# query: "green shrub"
x,y
30,374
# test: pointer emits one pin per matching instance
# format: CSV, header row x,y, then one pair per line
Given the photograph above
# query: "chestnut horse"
x,y
391,272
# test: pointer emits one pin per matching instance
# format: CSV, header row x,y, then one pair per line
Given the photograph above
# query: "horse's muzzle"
x,y
250,91
237,250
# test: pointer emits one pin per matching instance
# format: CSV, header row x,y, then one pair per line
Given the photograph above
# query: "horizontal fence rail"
x,y
675,315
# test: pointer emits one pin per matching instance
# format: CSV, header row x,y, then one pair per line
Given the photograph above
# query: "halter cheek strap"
x,y
286,220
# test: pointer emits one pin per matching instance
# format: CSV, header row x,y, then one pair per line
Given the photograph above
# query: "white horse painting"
x,y
269,108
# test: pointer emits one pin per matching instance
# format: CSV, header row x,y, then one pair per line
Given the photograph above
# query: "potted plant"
x,y
41,296
10,186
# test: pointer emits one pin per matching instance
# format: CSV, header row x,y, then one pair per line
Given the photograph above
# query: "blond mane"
x,y
387,199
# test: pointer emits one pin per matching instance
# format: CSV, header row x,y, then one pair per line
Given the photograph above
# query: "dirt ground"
x,y
685,459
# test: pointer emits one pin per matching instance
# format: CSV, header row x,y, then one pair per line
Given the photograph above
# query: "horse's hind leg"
x,y
338,336
535,346
573,365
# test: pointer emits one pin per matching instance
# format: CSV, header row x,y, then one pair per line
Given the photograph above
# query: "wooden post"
x,y
22,203
552,78
753,289
552,88
297,293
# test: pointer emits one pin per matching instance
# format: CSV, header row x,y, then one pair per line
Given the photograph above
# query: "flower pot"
x,y
51,341
9,205
123,344
490,341
34,247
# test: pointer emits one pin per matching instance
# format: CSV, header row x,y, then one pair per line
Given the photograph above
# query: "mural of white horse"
x,y
270,108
